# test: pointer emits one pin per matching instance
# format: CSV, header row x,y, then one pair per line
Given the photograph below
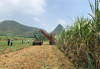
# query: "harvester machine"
x,y
38,40
51,38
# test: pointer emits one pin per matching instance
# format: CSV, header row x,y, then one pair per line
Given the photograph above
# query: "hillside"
x,y
58,29
13,28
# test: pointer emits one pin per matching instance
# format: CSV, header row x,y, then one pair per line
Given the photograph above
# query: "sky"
x,y
45,14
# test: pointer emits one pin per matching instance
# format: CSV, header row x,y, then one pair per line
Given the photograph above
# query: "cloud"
x,y
36,19
22,6
62,22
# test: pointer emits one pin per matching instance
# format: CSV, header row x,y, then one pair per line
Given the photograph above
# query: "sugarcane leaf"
x,y
90,66
79,49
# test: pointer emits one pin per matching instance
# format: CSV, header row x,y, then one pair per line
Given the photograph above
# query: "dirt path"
x,y
35,57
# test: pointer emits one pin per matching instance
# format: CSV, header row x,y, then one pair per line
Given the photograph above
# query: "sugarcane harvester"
x,y
51,37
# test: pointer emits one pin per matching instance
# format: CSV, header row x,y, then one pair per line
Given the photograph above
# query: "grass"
x,y
17,45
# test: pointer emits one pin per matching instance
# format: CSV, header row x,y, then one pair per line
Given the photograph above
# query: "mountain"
x,y
13,28
58,29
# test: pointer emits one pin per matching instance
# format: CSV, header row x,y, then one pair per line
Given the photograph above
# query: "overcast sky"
x,y
45,14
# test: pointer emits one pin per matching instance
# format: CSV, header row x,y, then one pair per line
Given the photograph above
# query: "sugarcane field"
x,y
49,34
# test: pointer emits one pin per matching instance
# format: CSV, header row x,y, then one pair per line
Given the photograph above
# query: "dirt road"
x,y
35,57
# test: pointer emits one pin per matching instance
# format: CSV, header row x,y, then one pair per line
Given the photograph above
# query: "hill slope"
x,y
13,28
58,29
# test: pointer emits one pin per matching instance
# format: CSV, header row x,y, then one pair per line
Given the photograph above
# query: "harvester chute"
x,y
51,37
38,40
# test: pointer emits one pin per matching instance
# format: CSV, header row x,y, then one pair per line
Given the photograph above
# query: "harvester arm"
x,y
45,34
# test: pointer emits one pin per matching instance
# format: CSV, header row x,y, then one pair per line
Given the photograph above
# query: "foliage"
x,y
81,41
58,29
13,28
11,37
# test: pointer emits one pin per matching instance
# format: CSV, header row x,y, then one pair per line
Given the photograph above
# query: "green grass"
x,y
17,45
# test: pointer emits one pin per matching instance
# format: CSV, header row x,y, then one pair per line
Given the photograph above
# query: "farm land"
x,y
27,56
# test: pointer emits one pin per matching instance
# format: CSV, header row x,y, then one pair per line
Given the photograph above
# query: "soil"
x,y
35,57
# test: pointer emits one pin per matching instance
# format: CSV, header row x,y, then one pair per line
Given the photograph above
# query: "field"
x,y
27,56
79,43
17,44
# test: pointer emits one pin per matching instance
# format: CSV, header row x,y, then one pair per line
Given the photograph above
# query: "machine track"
x,y
35,57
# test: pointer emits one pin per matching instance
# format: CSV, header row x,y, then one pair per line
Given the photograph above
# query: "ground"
x,y
35,57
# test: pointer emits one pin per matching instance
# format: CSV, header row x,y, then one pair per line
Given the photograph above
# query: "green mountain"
x,y
58,29
13,28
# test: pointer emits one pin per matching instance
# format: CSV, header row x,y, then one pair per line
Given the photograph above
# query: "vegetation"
x,y
17,44
58,29
81,41
7,37
13,28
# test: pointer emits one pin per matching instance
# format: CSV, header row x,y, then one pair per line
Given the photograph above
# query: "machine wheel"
x,y
40,43
50,42
33,43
